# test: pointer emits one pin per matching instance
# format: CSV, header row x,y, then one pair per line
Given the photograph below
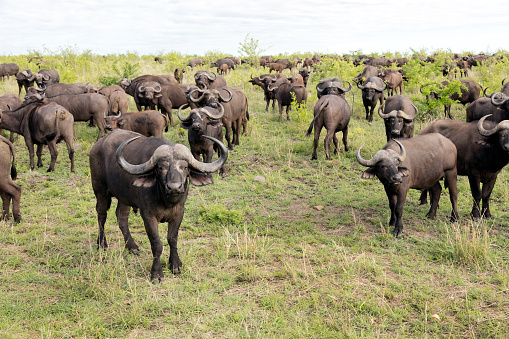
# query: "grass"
x,y
259,260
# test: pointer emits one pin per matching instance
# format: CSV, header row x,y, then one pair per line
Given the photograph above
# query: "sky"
x,y
158,27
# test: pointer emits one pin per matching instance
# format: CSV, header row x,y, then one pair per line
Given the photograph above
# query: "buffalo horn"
x,y
318,88
161,151
485,94
360,86
157,89
381,155
504,80
190,95
180,116
213,116
503,125
141,88
182,152
229,92
391,114
349,88
498,98
212,78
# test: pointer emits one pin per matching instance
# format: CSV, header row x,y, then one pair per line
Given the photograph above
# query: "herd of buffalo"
x,y
144,171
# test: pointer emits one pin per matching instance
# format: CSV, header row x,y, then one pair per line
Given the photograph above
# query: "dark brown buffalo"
x,y
146,93
331,86
25,79
372,92
235,106
308,62
206,81
195,62
484,106
8,69
8,189
84,107
305,75
223,61
505,89
399,114
148,123
470,91
482,153
288,64
368,71
179,75
393,79
296,79
277,67
131,85
285,93
332,112
47,77
264,81
149,175
41,124
119,103
9,102
203,121
60,88
417,163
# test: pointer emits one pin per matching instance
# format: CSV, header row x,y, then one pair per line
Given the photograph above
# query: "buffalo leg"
x,y
227,134
53,152
39,155
424,197
11,191
435,191
345,138
475,188
336,143
487,188
122,213
152,229
318,130
326,143
392,205
172,237
101,207
451,179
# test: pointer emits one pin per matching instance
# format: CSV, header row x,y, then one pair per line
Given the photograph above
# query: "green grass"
x,y
258,259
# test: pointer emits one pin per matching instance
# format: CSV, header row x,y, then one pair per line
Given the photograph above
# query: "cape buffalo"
x,y
264,81
285,93
418,163
235,106
331,86
6,70
119,103
147,123
61,88
25,79
482,153
368,71
393,79
149,175
179,75
332,112
372,91
399,114
470,91
203,121
8,189
41,124
47,77
204,80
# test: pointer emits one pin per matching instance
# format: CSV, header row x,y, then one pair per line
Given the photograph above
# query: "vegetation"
x,y
307,252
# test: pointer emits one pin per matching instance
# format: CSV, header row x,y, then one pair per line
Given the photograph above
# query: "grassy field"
x,y
308,253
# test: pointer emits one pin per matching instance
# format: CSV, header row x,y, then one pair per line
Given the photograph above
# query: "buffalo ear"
x,y
200,179
186,124
368,174
120,122
403,171
145,181
158,95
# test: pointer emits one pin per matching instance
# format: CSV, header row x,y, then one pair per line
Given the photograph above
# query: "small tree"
x,y
250,49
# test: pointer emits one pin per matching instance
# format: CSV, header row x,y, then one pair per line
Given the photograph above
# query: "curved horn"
x,y
46,76
360,86
383,89
320,90
402,153
200,98
211,115
227,90
391,114
182,152
210,78
371,162
161,151
349,88
498,98
485,94
504,80
500,126
402,114
416,109
180,116
141,88
157,89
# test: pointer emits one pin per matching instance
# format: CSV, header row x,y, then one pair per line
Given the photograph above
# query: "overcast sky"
x,y
196,27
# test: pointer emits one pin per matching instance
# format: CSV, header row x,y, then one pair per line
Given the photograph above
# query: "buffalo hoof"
x,y
135,251
396,233
156,280
17,218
